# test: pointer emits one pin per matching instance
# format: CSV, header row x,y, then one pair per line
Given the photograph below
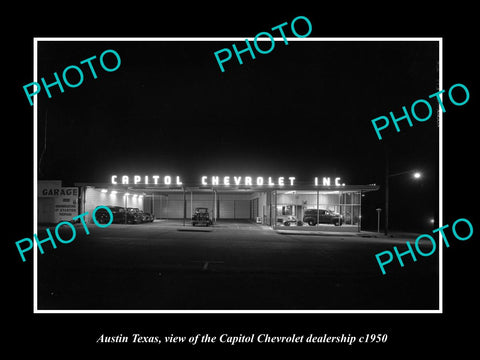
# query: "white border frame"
x,y
35,175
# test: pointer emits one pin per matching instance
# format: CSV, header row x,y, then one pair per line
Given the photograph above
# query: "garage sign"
x,y
64,200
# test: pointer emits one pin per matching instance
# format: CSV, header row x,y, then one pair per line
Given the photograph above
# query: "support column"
x,y
126,204
275,210
214,207
161,205
184,207
153,205
360,214
352,198
166,200
340,207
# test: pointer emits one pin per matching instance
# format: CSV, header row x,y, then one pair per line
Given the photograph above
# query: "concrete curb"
x,y
319,233
364,234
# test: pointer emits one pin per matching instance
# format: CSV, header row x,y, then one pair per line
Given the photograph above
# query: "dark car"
x,y
324,217
134,215
201,217
147,217
118,212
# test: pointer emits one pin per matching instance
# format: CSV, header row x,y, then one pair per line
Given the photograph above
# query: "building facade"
x,y
262,200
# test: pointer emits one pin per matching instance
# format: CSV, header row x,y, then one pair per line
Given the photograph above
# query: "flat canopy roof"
x,y
299,188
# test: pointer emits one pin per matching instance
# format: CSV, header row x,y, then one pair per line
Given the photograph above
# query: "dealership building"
x,y
259,199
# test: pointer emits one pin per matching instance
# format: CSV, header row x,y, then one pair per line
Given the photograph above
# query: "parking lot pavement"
x,y
243,266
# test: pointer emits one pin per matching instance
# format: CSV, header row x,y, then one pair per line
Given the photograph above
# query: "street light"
x,y
416,175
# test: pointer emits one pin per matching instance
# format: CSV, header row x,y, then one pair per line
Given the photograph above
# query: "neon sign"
x,y
246,180
226,181
155,180
326,181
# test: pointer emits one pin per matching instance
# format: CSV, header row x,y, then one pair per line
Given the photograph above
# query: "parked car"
x,y
289,220
134,215
147,217
201,217
324,217
118,212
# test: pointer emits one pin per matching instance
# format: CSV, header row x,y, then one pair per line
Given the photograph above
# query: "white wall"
x,y
94,197
227,205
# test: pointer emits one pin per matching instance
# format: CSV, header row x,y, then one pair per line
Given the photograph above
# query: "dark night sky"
x,y
302,110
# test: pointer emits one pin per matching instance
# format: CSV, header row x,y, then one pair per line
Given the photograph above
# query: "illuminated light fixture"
x,y
104,190
126,194
134,196
113,192
417,175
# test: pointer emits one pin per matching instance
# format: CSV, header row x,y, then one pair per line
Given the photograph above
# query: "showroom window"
x,y
317,208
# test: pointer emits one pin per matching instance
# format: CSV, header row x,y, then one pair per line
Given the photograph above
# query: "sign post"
x,y
378,219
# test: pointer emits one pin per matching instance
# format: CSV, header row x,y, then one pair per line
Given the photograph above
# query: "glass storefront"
x,y
317,208
335,207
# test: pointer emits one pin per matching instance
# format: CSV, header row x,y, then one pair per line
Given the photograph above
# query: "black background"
x,y
408,333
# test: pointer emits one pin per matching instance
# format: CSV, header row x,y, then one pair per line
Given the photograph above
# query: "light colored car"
x,y
288,220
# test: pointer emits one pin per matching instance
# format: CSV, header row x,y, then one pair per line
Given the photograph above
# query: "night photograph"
x,y
225,179
258,188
